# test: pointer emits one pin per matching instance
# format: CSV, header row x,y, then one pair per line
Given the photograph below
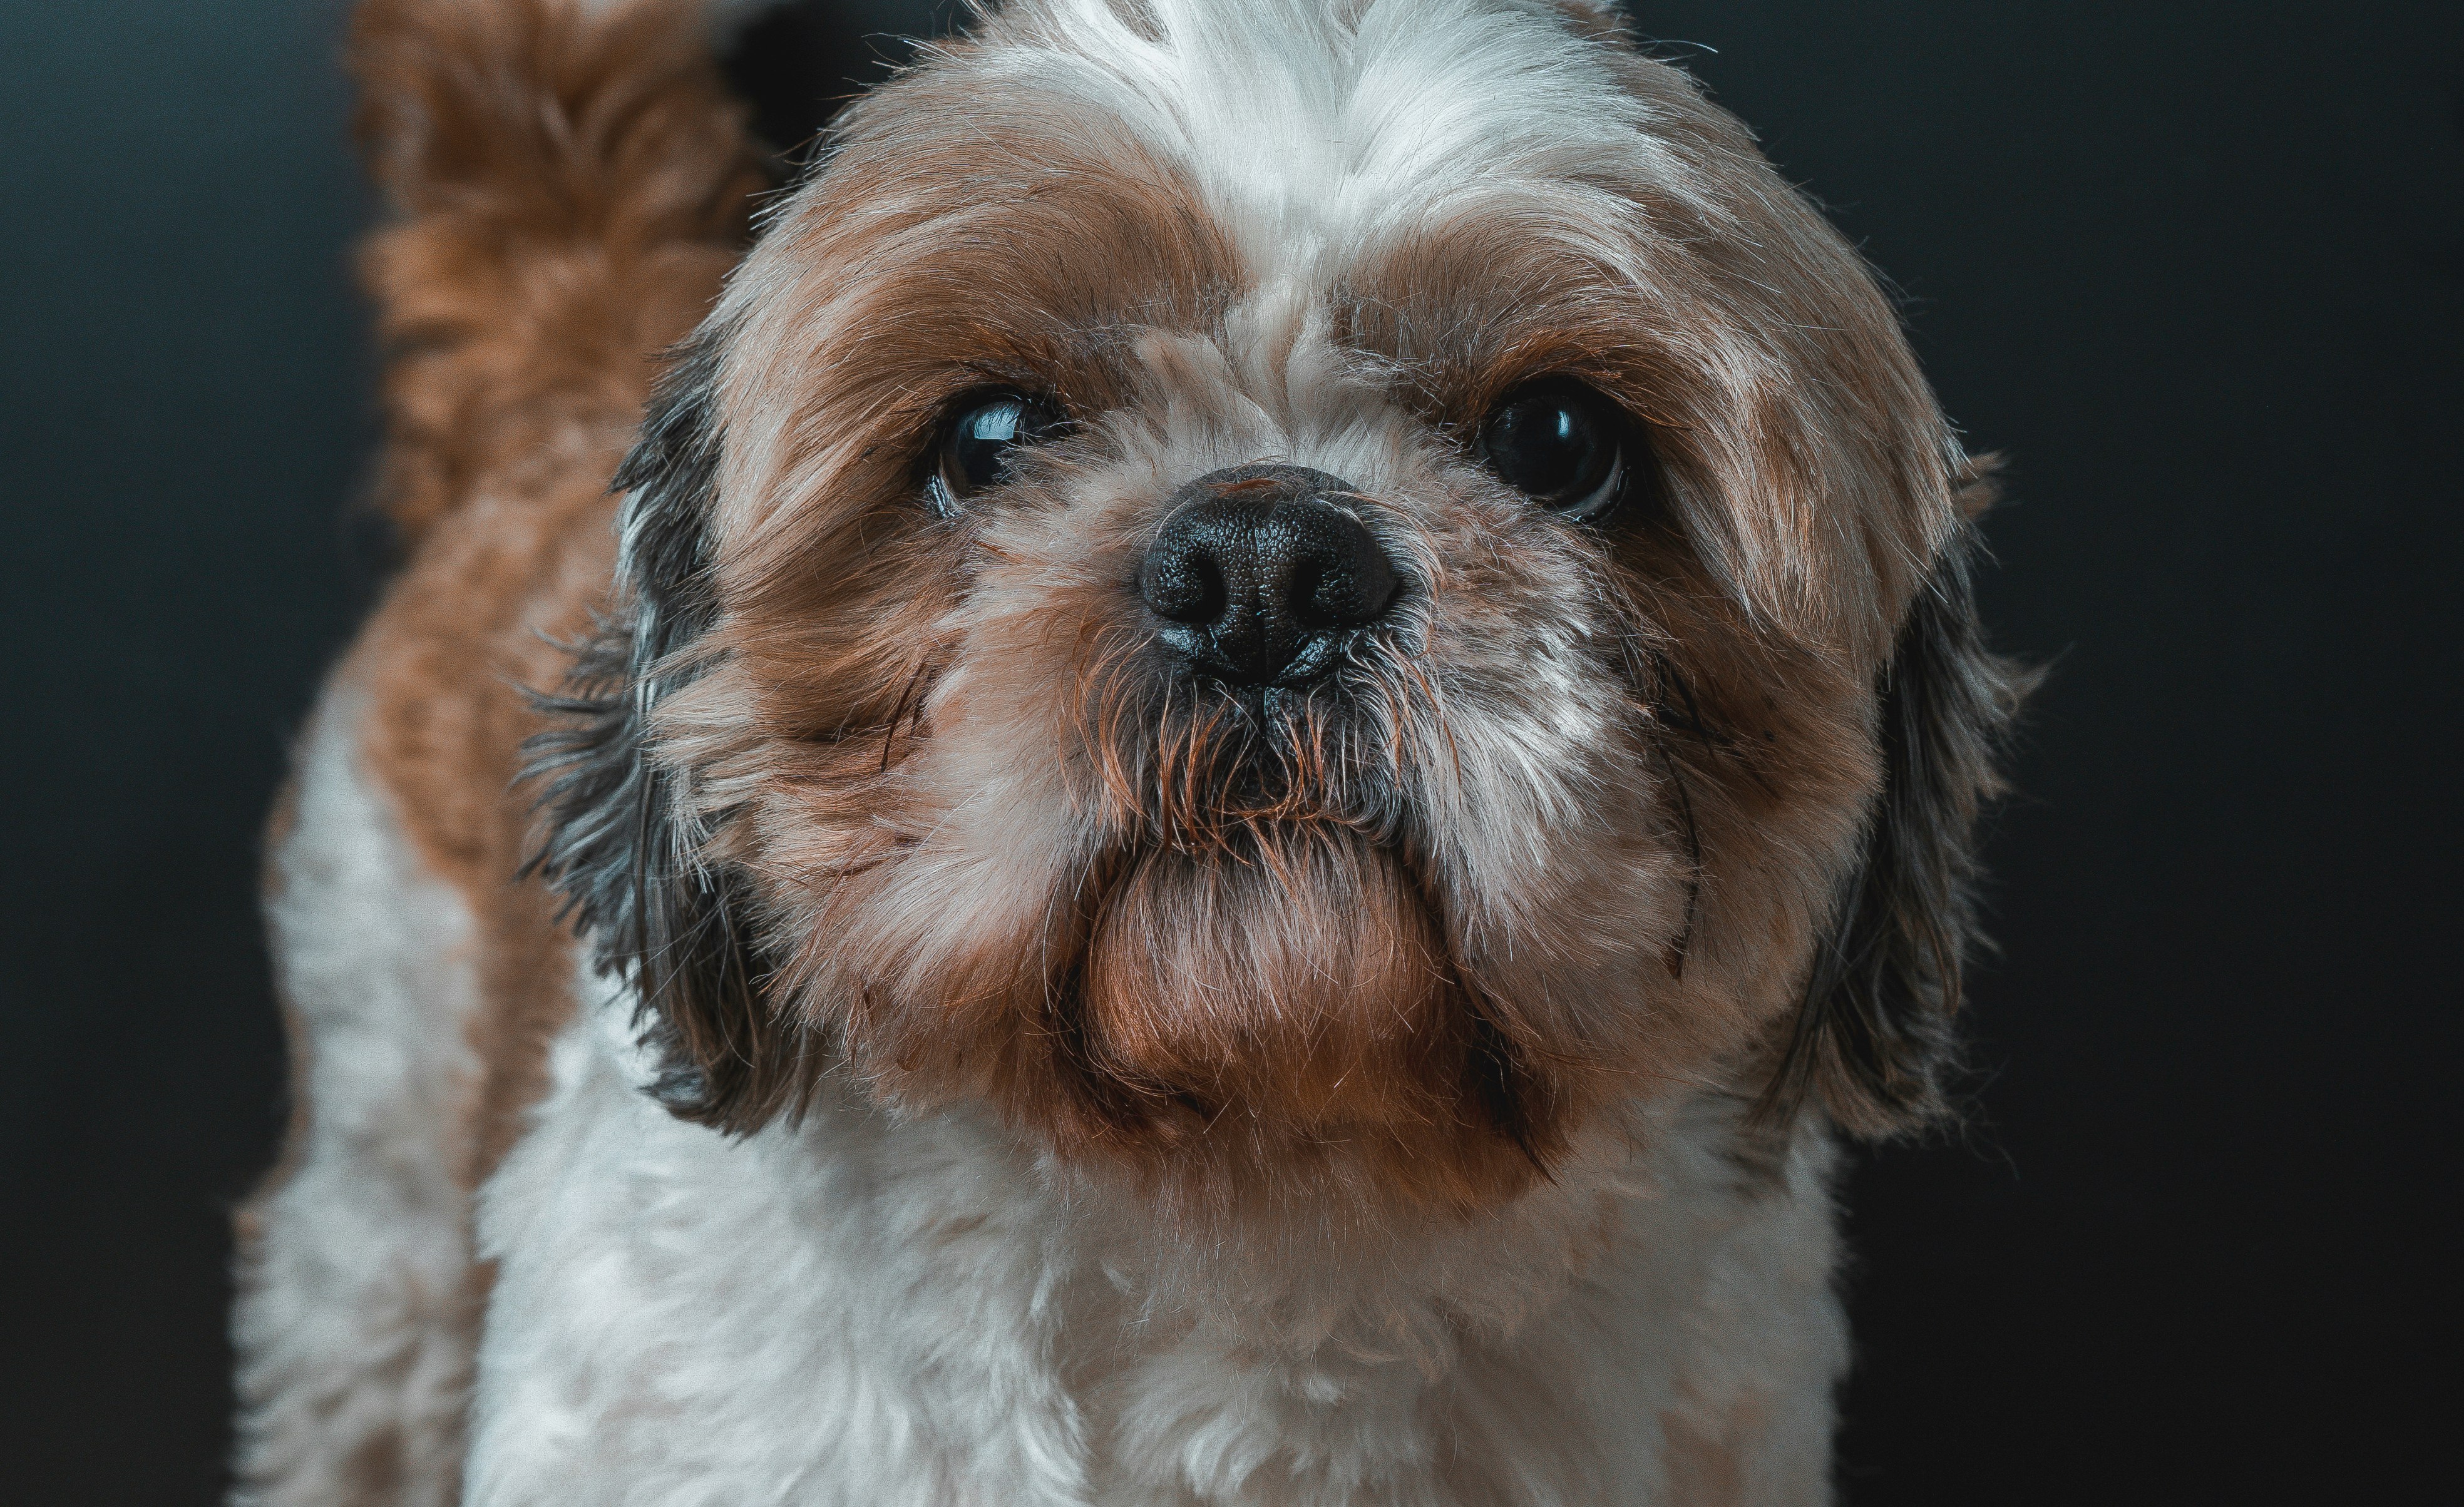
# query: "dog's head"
x,y
1298,598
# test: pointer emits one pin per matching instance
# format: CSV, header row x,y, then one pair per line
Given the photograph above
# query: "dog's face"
x,y
1298,603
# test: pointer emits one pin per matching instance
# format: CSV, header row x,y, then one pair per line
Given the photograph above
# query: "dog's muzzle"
x,y
1261,576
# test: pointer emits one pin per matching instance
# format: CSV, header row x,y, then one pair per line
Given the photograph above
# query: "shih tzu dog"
x,y
1276,722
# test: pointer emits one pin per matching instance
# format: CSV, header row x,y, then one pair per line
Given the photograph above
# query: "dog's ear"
x,y
620,840
1872,1038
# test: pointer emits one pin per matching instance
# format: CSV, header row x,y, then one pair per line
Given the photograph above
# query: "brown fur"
x,y
566,197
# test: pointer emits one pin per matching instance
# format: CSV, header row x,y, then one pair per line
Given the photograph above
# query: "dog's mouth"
x,y
1201,766
1225,956
1287,988
1262,961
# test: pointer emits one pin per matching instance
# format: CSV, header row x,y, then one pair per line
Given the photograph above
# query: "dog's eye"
x,y
983,431
1563,446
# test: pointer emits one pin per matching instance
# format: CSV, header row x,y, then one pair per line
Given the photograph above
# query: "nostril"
x,y
1183,586
1351,588
1316,597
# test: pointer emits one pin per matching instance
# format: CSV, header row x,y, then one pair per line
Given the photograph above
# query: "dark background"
x,y
2198,267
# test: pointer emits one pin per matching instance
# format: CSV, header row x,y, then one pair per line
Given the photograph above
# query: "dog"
x,y
1268,730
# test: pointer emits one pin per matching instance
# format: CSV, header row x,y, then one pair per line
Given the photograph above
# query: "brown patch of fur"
x,y
374,1468
1602,22
568,193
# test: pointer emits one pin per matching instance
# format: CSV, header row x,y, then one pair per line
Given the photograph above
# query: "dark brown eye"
x,y
1563,446
983,431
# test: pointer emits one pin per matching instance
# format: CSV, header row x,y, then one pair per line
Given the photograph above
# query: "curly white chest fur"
x,y
864,1310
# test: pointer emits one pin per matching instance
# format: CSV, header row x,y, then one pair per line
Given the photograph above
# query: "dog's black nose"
x,y
1259,576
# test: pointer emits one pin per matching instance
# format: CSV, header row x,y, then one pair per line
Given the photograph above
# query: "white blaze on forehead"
x,y
1271,386
1314,129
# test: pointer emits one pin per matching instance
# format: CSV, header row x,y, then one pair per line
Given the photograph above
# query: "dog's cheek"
x,y
1655,838
930,964
1550,831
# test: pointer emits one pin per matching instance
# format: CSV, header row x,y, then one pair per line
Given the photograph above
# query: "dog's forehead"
x,y
1021,206
1314,202
1315,134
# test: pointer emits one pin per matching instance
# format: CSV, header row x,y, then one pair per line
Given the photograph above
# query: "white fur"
x,y
353,1322
877,1311
1315,130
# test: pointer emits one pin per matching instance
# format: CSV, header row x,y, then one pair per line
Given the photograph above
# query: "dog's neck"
x,y
1660,1302
1305,1283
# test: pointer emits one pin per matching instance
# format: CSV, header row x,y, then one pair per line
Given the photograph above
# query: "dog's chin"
x,y
1275,1016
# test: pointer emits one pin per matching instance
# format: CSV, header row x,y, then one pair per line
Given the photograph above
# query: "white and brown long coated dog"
x,y
1277,719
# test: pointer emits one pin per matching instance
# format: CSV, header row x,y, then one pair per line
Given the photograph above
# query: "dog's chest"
x,y
862,1310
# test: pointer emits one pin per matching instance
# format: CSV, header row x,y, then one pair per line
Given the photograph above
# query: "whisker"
x,y
1438,710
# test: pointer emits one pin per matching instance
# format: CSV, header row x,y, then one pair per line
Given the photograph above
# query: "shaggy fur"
x,y
1005,1066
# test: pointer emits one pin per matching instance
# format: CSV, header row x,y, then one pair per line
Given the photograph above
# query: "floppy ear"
x,y
618,840
1873,1036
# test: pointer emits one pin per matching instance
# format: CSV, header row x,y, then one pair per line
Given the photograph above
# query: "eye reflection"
x,y
982,434
1564,445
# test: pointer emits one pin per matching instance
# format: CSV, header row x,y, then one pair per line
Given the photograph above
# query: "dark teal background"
x,y
2198,268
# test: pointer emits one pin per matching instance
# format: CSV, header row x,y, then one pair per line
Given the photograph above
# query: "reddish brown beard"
x,y
1264,995
1277,1016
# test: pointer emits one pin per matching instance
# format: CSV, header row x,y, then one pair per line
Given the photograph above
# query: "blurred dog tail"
x,y
567,183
